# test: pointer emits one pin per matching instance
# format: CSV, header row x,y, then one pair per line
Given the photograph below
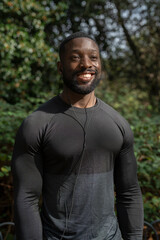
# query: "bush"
x,y
28,62
11,118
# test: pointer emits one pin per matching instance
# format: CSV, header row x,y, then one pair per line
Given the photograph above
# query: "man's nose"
x,y
86,62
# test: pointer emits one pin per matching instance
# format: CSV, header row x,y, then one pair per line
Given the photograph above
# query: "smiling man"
x,y
80,65
76,151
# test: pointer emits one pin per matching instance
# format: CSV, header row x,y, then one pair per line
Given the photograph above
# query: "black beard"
x,y
75,87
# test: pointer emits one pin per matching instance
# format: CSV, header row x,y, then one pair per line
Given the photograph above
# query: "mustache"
x,y
86,70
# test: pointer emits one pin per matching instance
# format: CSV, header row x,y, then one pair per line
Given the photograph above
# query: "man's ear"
x,y
59,67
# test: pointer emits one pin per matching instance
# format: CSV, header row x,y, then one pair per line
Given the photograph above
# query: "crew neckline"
x,y
77,109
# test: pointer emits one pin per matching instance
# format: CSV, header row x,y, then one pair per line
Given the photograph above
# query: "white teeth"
x,y
85,75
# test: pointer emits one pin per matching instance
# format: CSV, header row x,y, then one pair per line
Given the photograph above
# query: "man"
x,y
73,150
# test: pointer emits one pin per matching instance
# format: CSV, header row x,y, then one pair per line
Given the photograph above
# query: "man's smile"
x,y
85,77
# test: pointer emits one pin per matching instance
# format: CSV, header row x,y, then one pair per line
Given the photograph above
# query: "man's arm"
x,y
27,179
128,194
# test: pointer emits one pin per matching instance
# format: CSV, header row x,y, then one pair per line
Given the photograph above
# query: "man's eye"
x,y
75,57
93,58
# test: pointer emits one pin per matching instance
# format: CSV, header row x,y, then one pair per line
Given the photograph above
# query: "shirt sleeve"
x,y
27,181
128,194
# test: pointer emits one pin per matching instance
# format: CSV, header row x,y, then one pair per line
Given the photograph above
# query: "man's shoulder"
x,y
52,105
108,109
42,115
119,120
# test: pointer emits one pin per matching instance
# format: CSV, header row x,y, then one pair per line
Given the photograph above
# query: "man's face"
x,y
81,65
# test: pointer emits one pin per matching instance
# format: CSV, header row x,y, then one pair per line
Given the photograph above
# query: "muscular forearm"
x,y
130,214
27,217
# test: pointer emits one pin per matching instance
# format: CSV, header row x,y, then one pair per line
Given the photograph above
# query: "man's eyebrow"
x,y
88,49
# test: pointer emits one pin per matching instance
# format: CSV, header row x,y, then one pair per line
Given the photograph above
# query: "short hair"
x,y
72,36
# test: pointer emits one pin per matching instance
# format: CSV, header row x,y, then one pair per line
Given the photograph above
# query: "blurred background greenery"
x,y
128,33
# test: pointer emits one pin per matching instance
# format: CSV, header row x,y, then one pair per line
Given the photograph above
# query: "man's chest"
x,y
67,136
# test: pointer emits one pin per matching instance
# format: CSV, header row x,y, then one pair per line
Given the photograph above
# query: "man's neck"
x,y
78,100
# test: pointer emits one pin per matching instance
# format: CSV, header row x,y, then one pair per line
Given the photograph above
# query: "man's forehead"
x,y
82,43
67,43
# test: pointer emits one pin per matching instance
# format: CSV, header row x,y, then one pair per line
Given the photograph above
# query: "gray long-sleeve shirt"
x,y
74,157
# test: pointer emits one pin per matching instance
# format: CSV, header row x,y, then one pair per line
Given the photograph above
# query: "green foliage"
x,y
147,142
11,118
28,62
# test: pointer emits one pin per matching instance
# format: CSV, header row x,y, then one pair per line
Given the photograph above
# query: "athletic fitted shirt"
x,y
76,159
